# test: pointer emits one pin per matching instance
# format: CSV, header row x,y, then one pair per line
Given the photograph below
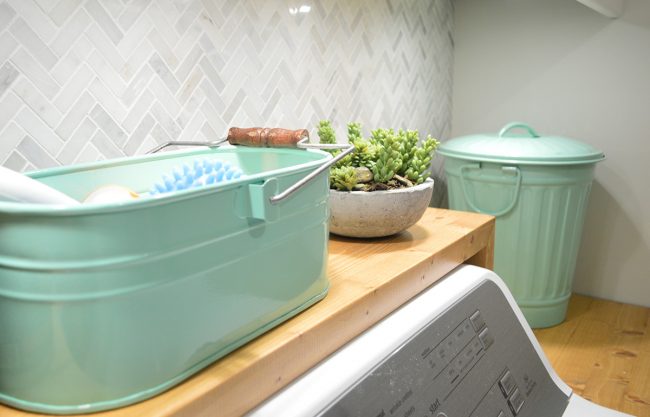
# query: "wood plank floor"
x,y
602,351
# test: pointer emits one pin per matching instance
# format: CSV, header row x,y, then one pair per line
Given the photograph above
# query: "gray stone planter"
x,y
378,213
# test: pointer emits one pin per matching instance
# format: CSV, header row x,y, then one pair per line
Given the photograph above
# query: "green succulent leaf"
x,y
354,131
325,132
343,179
418,167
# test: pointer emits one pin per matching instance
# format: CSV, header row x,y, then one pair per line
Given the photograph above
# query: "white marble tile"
x,y
38,130
66,67
76,141
15,161
89,153
35,17
82,47
214,118
8,75
138,110
76,85
35,72
163,72
190,37
190,14
7,46
10,136
193,126
70,32
212,95
137,85
105,47
131,13
39,104
162,48
147,144
160,135
188,88
162,21
212,74
79,110
139,134
105,122
189,62
164,95
189,107
108,100
105,145
6,15
138,58
162,69
134,36
104,20
38,156
165,120
10,104
62,11
30,41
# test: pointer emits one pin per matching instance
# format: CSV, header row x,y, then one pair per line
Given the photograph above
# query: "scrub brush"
x,y
198,174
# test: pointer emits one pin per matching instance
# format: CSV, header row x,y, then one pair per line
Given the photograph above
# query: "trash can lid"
x,y
527,148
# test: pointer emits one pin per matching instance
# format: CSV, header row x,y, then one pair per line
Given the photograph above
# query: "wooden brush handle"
x,y
266,137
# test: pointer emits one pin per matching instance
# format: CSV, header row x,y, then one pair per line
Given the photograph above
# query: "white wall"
x,y
569,71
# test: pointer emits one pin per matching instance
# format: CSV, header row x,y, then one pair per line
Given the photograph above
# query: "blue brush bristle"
x,y
200,173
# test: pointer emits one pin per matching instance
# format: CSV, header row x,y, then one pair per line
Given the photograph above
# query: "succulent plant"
x,y
344,178
325,132
418,166
394,159
408,142
389,158
354,131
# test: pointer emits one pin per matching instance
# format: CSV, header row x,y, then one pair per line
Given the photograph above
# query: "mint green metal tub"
x,y
106,305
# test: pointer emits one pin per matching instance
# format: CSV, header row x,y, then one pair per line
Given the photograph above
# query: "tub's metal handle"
x,y
304,144
251,136
210,144
272,137
260,201
474,207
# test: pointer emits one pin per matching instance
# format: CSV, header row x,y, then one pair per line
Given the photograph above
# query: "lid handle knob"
x,y
515,125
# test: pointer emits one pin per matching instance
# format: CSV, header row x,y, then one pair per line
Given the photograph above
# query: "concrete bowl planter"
x,y
378,213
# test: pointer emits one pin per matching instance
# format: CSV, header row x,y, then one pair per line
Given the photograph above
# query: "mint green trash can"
x,y
538,188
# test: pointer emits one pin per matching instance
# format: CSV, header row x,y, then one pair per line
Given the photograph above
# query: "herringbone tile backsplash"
x,y
82,80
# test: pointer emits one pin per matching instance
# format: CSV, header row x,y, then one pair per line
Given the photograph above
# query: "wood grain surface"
x,y
602,351
369,279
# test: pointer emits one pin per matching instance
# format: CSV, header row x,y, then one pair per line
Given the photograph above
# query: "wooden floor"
x,y
602,351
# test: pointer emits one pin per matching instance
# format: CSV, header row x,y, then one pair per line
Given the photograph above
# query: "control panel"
x,y
473,360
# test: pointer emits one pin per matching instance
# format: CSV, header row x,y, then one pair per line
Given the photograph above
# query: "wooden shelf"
x,y
369,279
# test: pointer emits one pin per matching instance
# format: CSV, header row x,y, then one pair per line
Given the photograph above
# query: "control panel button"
x,y
516,401
486,338
462,331
477,320
507,383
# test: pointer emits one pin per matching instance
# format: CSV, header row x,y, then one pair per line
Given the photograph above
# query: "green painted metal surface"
x,y
105,305
539,195
520,144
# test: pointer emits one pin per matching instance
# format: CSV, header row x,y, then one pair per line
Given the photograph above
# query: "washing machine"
x,y
462,348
